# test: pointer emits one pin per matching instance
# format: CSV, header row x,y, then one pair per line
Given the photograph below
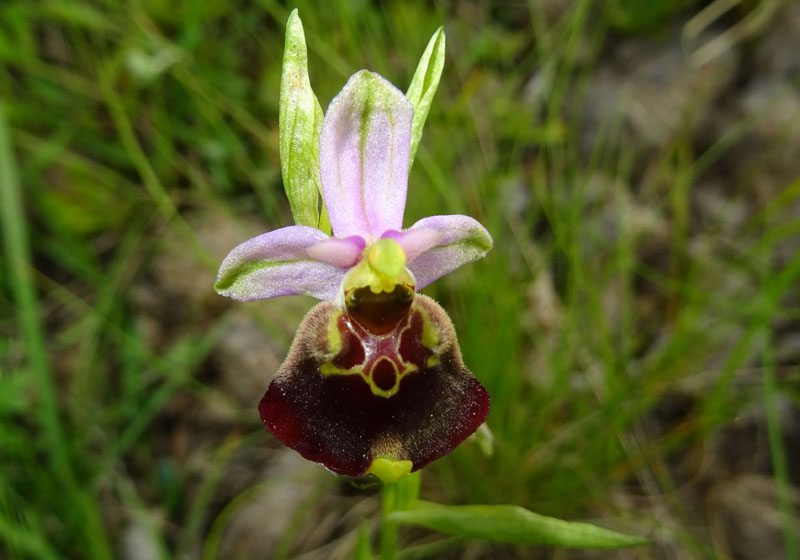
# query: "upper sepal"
x,y
363,156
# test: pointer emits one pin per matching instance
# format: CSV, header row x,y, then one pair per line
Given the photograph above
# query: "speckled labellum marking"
x,y
346,396
389,348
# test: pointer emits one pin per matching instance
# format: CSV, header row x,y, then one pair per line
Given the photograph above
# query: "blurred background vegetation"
x,y
636,323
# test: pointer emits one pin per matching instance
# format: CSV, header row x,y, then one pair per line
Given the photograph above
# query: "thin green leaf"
x,y
511,524
484,439
423,87
362,550
407,490
78,13
18,260
20,539
300,121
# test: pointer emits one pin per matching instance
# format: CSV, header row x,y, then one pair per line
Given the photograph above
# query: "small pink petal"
x,y
341,252
462,239
415,241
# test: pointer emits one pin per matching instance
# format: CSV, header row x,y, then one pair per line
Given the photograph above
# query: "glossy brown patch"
x,y
379,313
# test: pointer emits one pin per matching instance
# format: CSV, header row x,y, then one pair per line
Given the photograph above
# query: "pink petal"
x,y
277,264
461,240
341,252
415,241
363,156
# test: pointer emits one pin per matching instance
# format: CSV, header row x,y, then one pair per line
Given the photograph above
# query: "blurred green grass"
x,y
124,121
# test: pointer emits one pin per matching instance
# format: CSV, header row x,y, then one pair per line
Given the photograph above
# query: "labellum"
x,y
381,378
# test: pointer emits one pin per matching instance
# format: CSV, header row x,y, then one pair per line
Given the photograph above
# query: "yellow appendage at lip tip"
x,y
389,469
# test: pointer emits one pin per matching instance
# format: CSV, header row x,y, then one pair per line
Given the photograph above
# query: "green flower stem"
x,y
397,496
388,528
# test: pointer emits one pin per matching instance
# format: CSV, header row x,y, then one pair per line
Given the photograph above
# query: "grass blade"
x,y
511,524
18,259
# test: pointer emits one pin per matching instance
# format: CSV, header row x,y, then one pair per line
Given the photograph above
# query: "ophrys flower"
x,y
375,372
363,161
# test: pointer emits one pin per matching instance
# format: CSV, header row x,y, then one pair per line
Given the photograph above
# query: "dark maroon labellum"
x,y
347,394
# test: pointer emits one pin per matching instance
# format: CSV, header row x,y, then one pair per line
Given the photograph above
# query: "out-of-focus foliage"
x,y
635,323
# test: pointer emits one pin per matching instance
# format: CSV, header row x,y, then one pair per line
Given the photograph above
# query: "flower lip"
x,y
339,420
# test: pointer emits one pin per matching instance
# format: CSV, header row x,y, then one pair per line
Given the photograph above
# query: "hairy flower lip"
x,y
337,421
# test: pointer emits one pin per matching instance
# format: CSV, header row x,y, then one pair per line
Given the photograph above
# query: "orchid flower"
x,y
363,160
374,381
